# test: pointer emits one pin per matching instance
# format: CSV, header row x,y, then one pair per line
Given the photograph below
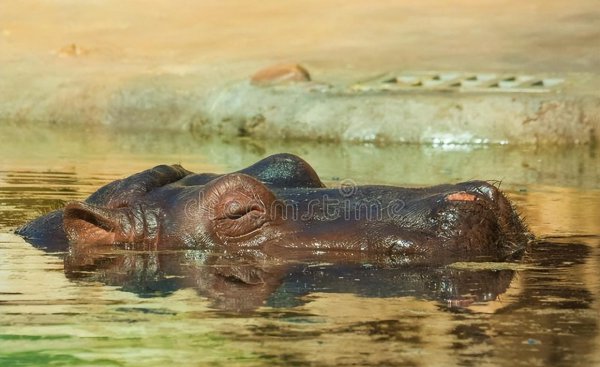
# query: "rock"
x,y
279,74
72,50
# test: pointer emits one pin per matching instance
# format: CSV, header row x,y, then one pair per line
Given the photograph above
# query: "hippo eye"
x,y
237,207
236,210
240,218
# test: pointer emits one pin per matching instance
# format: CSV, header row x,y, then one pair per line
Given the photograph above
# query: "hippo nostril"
x,y
461,196
482,189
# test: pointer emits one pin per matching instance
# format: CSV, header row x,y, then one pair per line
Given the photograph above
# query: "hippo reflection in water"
x,y
246,279
280,207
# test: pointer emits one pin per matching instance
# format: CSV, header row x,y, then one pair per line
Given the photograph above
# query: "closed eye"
x,y
236,210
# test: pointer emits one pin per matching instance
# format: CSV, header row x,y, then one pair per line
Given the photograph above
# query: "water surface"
x,y
114,307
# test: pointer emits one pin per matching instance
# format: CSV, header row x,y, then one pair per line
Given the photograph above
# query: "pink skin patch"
x,y
461,196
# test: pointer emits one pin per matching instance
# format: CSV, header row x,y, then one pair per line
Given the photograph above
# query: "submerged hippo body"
x,y
280,206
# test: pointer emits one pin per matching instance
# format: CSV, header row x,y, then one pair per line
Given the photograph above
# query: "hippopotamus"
x,y
279,206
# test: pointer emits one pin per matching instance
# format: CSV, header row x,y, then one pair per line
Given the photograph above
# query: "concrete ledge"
x,y
355,112
313,111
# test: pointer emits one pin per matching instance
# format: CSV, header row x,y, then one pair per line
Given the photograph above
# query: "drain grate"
x,y
461,82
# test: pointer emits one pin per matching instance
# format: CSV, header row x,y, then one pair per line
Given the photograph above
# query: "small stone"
x,y
280,74
72,50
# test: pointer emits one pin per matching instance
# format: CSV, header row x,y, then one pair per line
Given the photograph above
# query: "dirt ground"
x,y
237,36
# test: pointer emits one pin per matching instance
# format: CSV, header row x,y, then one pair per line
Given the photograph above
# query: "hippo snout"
x,y
481,221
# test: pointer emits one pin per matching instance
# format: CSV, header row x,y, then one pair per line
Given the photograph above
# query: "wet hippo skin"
x,y
280,207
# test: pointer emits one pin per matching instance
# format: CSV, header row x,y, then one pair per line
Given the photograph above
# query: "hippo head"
x,y
230,209
279,205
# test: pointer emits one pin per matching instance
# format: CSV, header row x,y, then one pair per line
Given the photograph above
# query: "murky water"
x,y
114,307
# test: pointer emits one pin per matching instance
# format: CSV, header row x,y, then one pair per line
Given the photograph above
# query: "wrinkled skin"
x,y
279,207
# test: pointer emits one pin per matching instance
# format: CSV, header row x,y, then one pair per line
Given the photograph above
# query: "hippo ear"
x,y
238,205
93,225
122,192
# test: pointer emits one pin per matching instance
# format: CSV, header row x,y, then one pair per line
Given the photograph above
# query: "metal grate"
x,y
461,82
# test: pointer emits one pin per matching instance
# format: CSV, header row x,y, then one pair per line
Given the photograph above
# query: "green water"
x,y
543,311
